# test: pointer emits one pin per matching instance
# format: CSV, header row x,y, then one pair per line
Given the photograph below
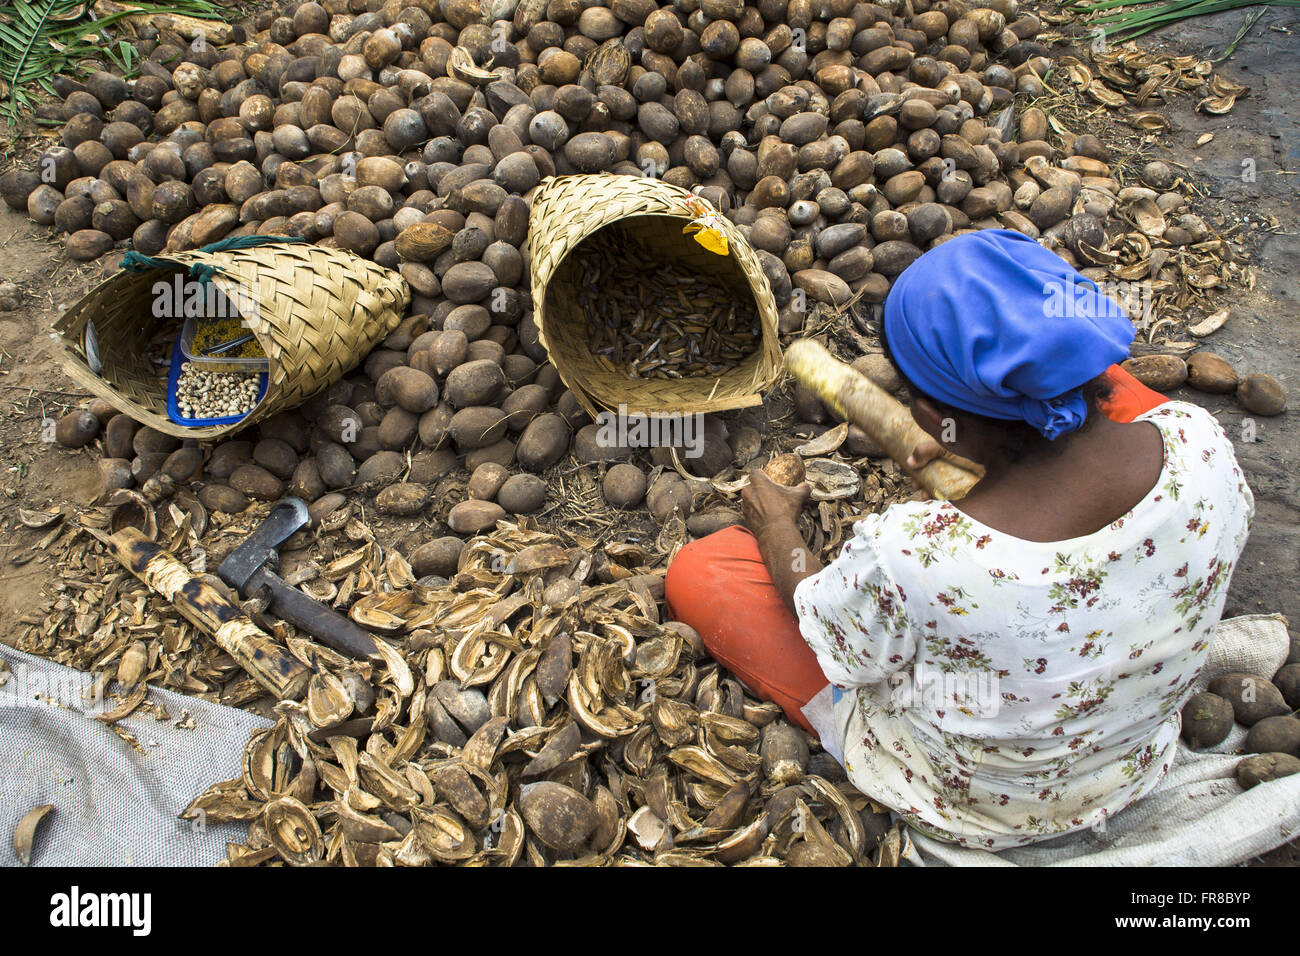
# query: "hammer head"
x,y
288,515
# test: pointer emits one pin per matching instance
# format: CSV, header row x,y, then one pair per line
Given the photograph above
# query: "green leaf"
x,y
1135,18
34,17
40,39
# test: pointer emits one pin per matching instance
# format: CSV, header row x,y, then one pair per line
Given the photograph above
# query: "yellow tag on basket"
x,y
707,226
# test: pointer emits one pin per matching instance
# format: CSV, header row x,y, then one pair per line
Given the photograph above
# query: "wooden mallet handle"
x,y
862,402
267,662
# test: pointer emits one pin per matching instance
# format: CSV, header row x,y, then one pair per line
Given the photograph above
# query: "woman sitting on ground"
x,y
1009,667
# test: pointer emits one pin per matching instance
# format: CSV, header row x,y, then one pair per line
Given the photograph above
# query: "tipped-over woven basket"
x,y
319,312
567,210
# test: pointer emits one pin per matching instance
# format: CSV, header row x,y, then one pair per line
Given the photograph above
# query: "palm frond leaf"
x,y
33,18
1134,18
40,39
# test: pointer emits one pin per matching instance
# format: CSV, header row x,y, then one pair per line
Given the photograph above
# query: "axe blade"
x,y
261,548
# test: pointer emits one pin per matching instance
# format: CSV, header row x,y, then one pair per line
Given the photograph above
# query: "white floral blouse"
x,y
995,691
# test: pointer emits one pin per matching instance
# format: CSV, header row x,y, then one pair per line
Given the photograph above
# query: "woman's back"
x,y
1006,689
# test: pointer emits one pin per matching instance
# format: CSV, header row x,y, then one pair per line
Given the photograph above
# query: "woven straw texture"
x,y
566,210
320,311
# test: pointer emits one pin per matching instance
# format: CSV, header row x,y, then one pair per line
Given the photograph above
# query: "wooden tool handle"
x,y
864,403
267,662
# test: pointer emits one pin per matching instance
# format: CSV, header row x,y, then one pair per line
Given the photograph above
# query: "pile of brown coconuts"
x,y
844,138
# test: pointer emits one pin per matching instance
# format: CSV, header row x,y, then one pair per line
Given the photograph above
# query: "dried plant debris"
x,y
652,322
25,832
542,658
527,714
1126,74
101,619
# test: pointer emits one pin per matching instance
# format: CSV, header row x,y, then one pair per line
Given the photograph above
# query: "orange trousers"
x,y
720,586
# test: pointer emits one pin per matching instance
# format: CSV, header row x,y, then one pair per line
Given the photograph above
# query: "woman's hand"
x,y
764,502
925,451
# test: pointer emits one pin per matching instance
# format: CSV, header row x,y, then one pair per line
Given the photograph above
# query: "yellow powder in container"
x,y
211,332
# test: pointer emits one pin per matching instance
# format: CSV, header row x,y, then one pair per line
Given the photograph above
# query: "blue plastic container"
x,y
174,409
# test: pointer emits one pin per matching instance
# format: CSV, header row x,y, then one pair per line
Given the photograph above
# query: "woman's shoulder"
x,y
925,525
1196,445
895,517
1187,422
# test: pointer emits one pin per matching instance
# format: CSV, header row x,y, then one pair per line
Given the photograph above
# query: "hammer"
x,y
251,567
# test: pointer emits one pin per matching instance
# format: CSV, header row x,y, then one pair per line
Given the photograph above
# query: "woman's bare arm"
x,y
787,558
771,513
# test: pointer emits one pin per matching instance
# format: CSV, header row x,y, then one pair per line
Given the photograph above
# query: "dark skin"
x,y
771,512
1090,478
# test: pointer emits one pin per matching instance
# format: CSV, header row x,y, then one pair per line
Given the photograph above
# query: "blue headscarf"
x,y
993,323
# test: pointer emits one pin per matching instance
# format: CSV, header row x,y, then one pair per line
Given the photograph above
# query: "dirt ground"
x,y
1263,332
35,473
1261,335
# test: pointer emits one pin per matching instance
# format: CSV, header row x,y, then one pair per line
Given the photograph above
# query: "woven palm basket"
x,y
320,311
566,210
